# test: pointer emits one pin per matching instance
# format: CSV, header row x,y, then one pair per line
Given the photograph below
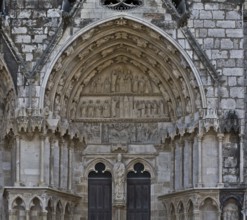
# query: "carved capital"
x,y
220,137
200,137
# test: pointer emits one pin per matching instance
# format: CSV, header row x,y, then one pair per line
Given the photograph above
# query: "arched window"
x,y
99,193
209,210
121,5
138,193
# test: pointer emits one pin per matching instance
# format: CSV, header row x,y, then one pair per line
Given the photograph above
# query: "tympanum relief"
x,y
121,93
121,105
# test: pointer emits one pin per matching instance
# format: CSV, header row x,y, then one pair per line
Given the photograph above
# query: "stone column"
x,y
199,184
51,162
181,143
173,177
61,145
62,215
186,216
243,214
27,214
219,215
44,215
53,215
191,177
11,215
220,138
42,146
69,174
119,212
241,164
196,214
18,161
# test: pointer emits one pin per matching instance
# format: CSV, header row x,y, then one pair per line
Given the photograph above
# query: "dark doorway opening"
x,y
99,194
138,194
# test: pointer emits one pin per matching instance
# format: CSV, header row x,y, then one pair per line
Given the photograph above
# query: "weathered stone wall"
x,y
31,27
245,75
218,28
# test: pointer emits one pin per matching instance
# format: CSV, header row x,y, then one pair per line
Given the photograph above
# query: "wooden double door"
x,y
100,199
100,196
138,199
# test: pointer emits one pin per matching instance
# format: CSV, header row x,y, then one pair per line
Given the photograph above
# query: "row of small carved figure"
x,y
119,82
122,108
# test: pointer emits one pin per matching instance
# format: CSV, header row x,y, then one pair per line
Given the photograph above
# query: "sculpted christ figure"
x,y
119,178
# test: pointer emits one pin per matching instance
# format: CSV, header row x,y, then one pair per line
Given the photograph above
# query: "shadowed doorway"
x,y
99,194
138,194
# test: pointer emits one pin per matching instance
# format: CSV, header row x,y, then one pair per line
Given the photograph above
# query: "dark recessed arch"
x,y
138,193
99,193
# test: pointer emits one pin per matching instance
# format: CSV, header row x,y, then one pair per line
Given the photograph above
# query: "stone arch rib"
x,y
155,35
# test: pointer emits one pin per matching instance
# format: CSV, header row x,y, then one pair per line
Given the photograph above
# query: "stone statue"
x,y
231,212
119,178
107,85
114,80
106,109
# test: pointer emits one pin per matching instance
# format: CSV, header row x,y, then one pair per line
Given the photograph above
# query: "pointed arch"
x,y
91,166
34,199
172,212
50,209
190,209
147,166
209,209
59,210
18,201
167,81
19,207
35,208
7,94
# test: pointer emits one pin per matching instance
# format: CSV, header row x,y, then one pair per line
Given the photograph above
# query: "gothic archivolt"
x,y
7,94
159,82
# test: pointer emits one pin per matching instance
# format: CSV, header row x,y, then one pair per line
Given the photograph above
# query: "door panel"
x,y
138,199
99,198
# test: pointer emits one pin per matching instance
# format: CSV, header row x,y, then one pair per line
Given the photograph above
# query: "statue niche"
x,y
121,93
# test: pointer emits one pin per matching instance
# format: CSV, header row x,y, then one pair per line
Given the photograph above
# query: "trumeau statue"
x,y
119,179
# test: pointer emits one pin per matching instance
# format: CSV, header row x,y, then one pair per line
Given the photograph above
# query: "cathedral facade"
x,y
123,109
